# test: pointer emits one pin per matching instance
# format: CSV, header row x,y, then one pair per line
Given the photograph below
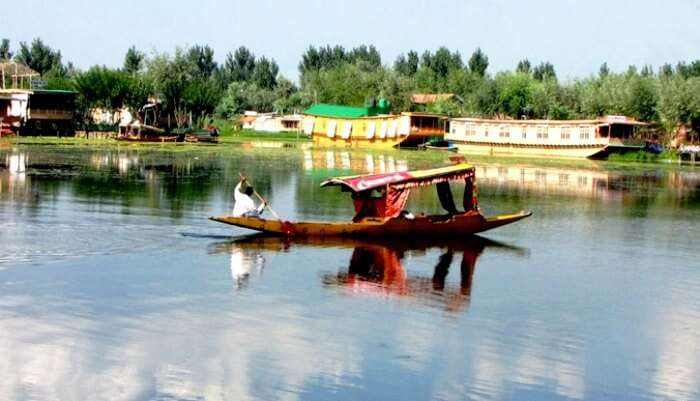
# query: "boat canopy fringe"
x,y
402,179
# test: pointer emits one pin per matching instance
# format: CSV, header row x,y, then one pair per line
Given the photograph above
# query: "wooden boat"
x,y
197,138
439,145
146,133
379,200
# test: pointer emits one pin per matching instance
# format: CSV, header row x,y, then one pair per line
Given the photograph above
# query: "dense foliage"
x,y
190,84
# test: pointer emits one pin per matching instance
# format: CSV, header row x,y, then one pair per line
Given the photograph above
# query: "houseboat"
x,y
37,112
565,138
370,127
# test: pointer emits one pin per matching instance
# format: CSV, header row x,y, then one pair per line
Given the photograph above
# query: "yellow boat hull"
x,y
421,226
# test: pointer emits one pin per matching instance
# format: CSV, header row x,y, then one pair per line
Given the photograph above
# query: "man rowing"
x,y
244,205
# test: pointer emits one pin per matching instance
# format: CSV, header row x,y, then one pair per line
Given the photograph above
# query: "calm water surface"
x,y
115,286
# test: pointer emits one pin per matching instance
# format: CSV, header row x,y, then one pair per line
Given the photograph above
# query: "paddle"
x,y
277,216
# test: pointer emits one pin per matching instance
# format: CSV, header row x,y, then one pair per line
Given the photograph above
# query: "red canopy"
x,y
403,179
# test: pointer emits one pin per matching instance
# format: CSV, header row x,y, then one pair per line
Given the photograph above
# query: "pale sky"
x,y
576,36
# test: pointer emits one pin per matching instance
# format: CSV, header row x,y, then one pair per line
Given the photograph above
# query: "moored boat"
x,y
370,127
379,200
557,138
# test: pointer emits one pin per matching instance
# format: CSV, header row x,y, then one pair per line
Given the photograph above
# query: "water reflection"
x,y
377,268
358,162
604,307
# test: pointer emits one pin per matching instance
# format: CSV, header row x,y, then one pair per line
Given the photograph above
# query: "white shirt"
x,y
243,203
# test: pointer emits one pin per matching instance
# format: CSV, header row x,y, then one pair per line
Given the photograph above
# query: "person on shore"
x,y
244,205
211,128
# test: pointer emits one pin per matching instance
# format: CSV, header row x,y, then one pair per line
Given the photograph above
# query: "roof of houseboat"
x,y
608,120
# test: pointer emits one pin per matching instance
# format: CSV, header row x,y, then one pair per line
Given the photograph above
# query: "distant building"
x,y
271,122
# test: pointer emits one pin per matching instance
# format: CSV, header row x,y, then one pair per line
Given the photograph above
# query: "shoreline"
x,y
249,139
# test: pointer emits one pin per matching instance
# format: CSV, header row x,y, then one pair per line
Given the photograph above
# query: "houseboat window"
x,y
563,179
565,133
504,131
584,133
453,130
542,132
486,130
471,130
524,132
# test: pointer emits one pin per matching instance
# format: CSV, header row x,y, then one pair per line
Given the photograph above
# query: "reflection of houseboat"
x,y
566,138
347,160
332,125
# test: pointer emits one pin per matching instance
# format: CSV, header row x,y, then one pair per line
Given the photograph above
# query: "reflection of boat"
x,y
379,200
376,267
201,138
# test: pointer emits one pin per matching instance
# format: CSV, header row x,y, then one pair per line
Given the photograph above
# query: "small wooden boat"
x,y
379,200
439,145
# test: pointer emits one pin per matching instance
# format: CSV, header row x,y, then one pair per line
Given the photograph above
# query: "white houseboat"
x,y
558,138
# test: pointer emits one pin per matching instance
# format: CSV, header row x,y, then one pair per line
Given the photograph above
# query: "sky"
x,y
577,36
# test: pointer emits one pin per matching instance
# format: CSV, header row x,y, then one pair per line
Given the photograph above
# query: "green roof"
x,y
332,110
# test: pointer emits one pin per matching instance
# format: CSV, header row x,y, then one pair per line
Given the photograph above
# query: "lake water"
x,y
115,286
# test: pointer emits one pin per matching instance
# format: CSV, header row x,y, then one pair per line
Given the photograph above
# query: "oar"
x,y
277,216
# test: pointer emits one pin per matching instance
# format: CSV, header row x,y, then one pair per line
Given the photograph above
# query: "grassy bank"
x,y
645,157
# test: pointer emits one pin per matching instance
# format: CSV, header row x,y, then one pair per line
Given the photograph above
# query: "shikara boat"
x,y
379,200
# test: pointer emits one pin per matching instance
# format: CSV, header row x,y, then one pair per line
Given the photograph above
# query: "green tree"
x,y
265,73
524,66
407,64
5,53
38,56
478,62
201,58
133,60
544,71
239,66
515,93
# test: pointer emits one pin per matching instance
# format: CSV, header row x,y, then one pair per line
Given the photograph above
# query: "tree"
x,y
265,73
666,70
442,62
104,87
604,70
478,62
369,55
407,64
5,53
133,60
642,98
514,94
201,58
239,66
544,71
524,67
39,57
